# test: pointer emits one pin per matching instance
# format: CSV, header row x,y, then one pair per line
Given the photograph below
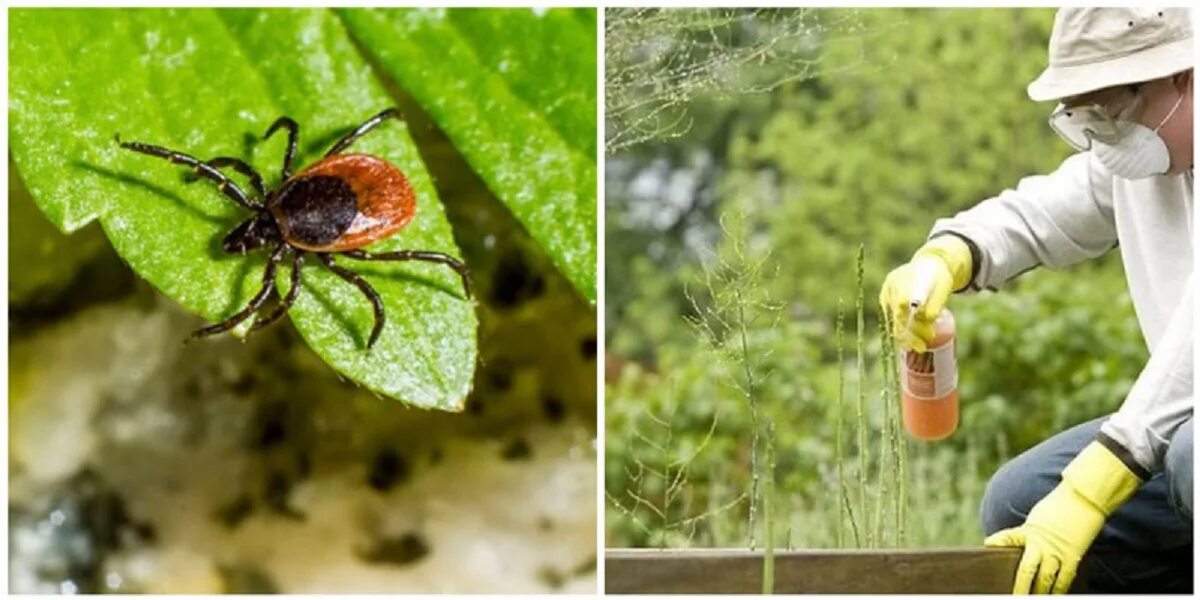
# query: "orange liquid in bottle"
x,y
929,385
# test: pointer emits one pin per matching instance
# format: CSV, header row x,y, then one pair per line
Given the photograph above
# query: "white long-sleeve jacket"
x,y
1081,211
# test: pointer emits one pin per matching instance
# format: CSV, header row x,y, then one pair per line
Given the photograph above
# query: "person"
x,y
1117,489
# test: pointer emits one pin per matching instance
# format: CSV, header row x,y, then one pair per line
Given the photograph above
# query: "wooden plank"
x,y
738,571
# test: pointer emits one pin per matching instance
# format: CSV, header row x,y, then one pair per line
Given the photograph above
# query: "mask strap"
x,y
1170,114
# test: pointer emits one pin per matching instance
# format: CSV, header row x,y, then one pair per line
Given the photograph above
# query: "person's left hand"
x,y
1059,530
1062,526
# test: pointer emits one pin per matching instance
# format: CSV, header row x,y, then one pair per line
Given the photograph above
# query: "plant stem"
x,y
768,577
751,397
881,494
899,442
847,503
839,450
886,371
902,496
863,451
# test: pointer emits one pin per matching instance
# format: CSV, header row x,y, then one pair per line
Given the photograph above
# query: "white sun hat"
x,y
1095,48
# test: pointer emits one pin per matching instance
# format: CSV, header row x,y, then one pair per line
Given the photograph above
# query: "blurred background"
x,y
751,153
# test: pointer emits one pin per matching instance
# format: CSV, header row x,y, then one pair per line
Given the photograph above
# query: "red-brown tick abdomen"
x,y
344,202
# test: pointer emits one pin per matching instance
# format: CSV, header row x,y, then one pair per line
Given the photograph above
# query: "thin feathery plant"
x,y
737,305
659,502
658,62
723,532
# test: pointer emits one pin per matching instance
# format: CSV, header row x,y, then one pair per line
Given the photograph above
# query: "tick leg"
x,y
268,284
240,166
435,257
367,291
293,132
288,300
228,187
361,130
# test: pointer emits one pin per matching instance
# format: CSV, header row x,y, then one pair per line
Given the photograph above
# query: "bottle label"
x,y
929,375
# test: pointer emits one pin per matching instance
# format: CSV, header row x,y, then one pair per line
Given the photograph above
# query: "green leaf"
x,y
49,260
515,91
209,83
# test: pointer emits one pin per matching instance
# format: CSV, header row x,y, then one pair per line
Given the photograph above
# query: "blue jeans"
x,y
1145,546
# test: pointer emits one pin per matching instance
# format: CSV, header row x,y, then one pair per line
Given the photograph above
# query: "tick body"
x,y
343,203
334,207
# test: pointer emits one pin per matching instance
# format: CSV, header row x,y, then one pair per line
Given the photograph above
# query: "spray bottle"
x,y
929,380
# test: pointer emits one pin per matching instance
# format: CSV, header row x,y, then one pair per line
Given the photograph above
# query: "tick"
x,y
336,206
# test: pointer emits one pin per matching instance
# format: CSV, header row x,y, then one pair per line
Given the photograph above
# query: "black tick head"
x,y
256,232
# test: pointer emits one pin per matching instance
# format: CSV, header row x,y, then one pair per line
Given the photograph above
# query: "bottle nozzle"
x,y
913,307
925,274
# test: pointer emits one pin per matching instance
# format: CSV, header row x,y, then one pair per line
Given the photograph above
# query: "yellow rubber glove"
x,y
949,258
1061,527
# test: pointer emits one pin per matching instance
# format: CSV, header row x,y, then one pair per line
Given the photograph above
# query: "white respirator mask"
x,y
1139,153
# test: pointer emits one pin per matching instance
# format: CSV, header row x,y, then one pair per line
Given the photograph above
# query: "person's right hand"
x,y
948,259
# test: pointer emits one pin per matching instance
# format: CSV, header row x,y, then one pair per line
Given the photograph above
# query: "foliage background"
x,y
909,115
